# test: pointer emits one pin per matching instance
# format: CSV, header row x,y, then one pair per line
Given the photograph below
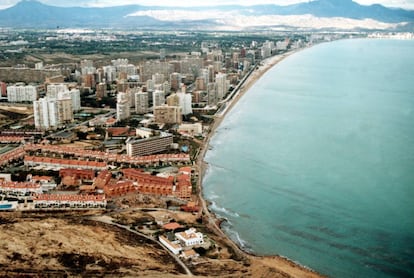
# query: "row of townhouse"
x,y
149,184
103,178
57,163
20,188
11,139
12,155
178,186
120,188
60,201
83,174
109,157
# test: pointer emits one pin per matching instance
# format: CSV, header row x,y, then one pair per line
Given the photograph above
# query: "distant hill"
x,y
340,8
33,14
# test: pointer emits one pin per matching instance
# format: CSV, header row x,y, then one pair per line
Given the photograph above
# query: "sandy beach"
x,y
283,267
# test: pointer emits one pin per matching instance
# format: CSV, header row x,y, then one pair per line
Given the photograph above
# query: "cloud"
x,y
407,4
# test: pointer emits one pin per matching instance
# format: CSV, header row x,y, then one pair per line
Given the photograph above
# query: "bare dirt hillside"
x,y
73,245
66,247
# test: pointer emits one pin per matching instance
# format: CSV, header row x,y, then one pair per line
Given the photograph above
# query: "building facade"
x,y
51,113
190,237
123,107
167,114
158,98
147,146
21,93
141,103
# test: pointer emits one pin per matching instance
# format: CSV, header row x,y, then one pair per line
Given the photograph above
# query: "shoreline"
x,y
285,265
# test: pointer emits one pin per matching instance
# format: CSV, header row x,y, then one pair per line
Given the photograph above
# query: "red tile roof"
x,y
172,226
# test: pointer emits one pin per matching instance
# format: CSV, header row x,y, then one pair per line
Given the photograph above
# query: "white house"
x,y
190,237
175,248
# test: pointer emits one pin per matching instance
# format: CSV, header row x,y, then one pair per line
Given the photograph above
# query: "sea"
x,y
316,161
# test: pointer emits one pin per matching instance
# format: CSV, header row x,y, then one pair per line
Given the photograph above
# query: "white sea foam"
x,y
213,196
218,209
235,236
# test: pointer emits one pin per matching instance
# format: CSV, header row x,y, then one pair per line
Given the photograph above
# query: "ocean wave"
x,y
218,209
212,196
235,236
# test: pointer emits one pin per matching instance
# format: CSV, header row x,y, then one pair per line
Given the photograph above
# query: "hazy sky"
x,y
407,4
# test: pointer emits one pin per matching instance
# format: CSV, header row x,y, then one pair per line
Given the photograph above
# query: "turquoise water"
x,y
316,161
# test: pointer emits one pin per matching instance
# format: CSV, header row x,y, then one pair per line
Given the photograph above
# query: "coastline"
x,y
284,266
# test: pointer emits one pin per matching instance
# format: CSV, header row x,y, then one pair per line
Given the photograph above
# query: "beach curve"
x,y
283,266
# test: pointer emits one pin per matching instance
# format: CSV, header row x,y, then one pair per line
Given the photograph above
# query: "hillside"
x,y
33,14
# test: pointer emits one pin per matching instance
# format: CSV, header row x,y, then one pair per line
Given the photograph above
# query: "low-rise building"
x,y
20,188
191,129
55,163
59,201
103,179
149,184
189,254
88,154
120,188
173,247
11,139
74,177
190,237
15,154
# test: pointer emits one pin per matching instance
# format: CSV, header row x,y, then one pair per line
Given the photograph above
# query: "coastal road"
x,y
108,220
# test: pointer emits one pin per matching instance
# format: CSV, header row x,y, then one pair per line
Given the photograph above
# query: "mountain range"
x,y
336,14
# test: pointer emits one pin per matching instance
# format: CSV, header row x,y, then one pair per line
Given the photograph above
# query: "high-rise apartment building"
x,y
150,85
109,73
50,113
21,93
175,81
89,81
76,99
123,107
212,98
3,89
173,100
53,90
158,78
222,85
158,98
64,110
185,102
61,92
200,83
141,103
167,114
101,91
266,50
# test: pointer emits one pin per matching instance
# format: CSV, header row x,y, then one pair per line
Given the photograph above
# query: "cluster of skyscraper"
x,y
57,107
155,86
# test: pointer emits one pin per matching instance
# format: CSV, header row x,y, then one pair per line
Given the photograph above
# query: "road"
x,y
108,220
111,113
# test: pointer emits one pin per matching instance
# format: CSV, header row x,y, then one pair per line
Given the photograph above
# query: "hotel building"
x,y
151,145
